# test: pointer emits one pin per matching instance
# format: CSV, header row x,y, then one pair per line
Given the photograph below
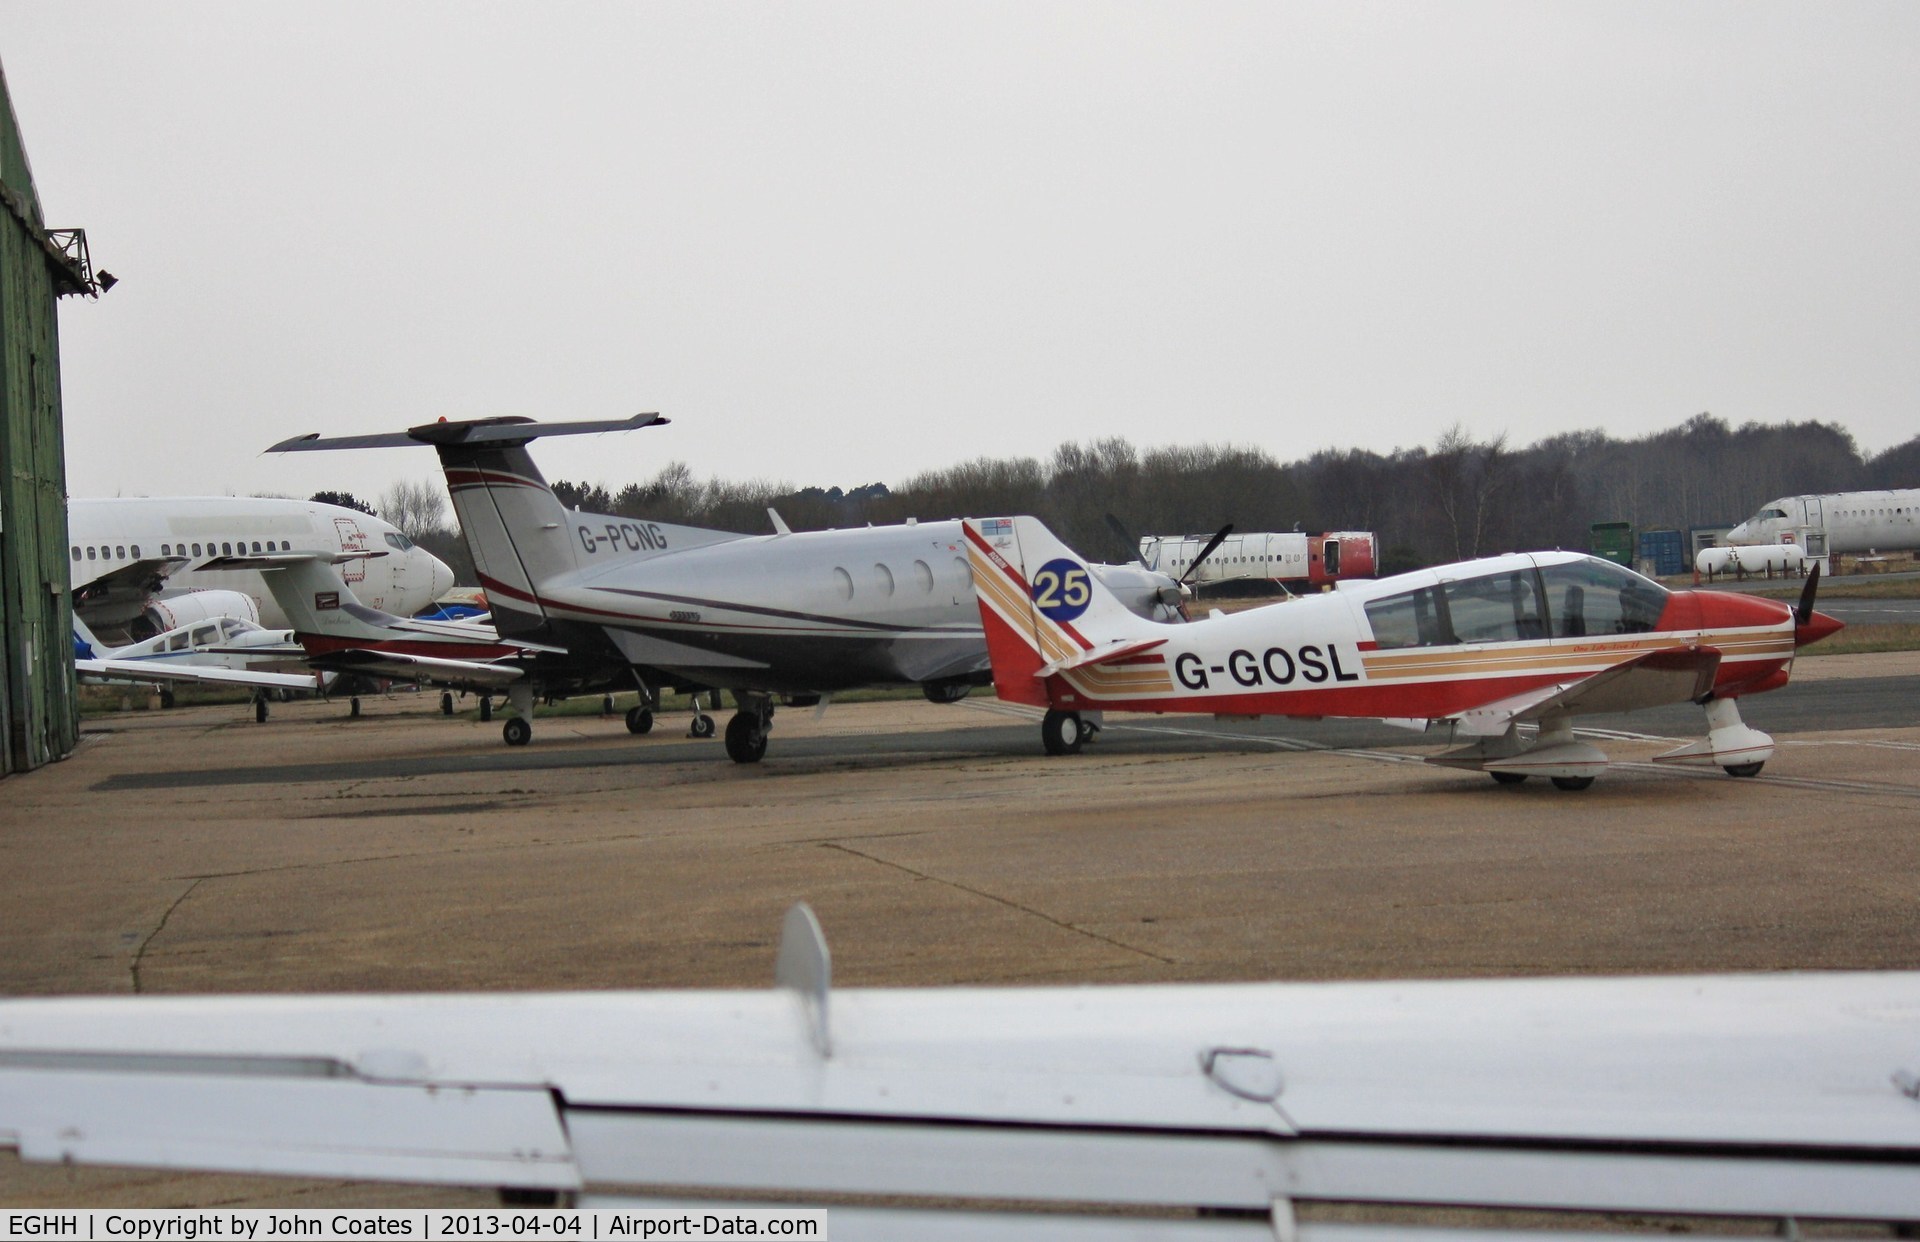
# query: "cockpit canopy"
x,y
1565,599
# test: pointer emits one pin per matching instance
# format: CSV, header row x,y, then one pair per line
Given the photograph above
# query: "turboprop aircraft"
x,y
1500,653
791,616
1170,1112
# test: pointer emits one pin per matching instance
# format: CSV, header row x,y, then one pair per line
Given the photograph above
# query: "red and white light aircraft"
x,y
1500,653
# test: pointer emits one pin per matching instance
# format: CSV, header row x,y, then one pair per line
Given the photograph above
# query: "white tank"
x,y
1760,559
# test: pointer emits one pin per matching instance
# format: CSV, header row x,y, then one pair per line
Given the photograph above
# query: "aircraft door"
x,y
1330,559
352,539
1816,513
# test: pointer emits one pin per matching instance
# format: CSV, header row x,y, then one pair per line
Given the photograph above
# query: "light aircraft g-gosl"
x,y
1501,653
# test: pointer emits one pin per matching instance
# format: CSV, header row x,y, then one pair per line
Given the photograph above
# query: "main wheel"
x,y
1745,769
639,720
1572,782
1062,732
353,706
702,726
166,699
1509,778
517,731
606,705
746,740
486,708
260,710
446,703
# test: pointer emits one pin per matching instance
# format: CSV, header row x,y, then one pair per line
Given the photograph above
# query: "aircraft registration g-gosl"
x,y
1502,653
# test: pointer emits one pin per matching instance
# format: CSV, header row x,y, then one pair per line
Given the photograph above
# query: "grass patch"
x,y
1847,588
1867,637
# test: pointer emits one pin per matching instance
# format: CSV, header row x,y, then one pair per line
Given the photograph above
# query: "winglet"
x,y
805,966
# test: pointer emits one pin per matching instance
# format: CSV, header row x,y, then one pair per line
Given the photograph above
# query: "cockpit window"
x,y
398,541
1764,514
1595,597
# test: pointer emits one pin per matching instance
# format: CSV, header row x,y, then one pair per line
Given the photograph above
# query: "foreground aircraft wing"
x,y
1141,1112
150,671
433,670
1670,675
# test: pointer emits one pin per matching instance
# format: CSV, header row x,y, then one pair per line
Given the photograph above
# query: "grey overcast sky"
x,y
846,242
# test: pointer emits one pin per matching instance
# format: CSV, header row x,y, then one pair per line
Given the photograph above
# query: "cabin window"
x,y
1499,608
923,574
843,582
196,549
119,552
226,549
1596,597
76,552
89,553
256,545
886,579
285,546
1410,619
136,551
205,635
966,571
178,642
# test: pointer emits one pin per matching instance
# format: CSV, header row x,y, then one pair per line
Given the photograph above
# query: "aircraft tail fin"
x,y
517,529
1050,623
319,603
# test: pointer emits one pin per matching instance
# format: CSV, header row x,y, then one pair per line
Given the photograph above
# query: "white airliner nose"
x,y
439,576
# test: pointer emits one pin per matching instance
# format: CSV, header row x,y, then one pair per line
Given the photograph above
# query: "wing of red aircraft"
x,y
1145,1112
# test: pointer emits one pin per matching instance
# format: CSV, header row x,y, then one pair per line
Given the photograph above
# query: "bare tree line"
x,y
1461,497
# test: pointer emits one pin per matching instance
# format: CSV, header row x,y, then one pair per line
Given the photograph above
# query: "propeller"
x,y
1218,538
1119,528
1804,613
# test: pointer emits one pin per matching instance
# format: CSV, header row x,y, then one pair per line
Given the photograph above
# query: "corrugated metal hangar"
x,y
38,713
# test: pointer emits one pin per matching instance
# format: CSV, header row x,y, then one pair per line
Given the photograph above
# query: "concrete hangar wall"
x,y
38,715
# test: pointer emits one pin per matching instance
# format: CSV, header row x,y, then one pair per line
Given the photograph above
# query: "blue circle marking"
x,y
1062,589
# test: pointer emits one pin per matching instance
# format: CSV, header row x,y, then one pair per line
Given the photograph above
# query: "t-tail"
x,y
516,528
1054,632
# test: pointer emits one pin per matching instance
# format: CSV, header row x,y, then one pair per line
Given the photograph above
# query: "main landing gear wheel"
x,y
166,700
1745,769
446,702
1509,778
1572,782
702,726
260,710
517,731
486,709
746,739
353,706
639,720
606,705
1062,732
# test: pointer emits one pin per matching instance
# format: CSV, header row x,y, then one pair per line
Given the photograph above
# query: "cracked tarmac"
x,y
194,851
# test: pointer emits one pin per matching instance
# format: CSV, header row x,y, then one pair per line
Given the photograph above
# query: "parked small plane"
x,y
344,636
791,616
1499,653
140,566
220,651
1887,521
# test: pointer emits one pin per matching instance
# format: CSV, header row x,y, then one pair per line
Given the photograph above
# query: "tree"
x,y
346,500
416,508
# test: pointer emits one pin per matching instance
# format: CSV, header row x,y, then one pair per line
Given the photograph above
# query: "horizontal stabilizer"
x,y
403,666
481,431
267,561
1101,655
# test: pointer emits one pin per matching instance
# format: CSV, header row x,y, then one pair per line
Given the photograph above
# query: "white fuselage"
x,y
109,534
1274,556
1886,521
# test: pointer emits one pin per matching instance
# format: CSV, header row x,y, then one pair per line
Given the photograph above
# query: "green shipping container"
x,y
1612,541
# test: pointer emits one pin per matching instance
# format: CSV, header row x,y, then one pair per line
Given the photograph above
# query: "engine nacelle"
x,y
1766,558
1144,592
174,611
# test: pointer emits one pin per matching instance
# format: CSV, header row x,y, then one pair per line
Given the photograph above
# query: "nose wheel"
x,y
517,731
702,726
639,720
